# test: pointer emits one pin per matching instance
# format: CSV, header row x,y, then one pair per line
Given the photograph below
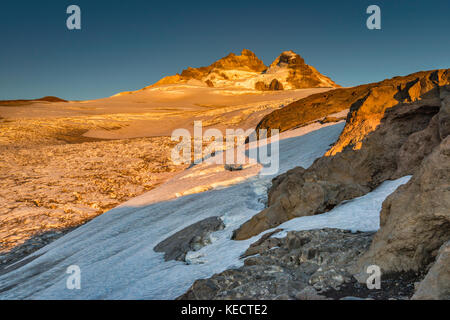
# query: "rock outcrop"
x,y
415,219
273,86
191,238
369,157
302,265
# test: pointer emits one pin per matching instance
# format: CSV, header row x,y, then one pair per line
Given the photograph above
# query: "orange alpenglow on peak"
x,y
246,71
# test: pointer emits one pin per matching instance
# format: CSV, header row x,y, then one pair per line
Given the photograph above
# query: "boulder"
x,y
191,238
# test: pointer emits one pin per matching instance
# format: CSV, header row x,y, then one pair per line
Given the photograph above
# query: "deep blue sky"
x,y
126,45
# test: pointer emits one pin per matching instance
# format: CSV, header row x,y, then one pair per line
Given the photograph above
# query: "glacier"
x,y
115,250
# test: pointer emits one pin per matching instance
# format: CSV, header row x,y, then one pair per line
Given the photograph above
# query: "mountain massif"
x,y
288,71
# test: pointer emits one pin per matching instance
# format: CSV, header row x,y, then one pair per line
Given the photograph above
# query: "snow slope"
x,y
115,250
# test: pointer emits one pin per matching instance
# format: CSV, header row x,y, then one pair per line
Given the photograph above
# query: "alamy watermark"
x,y
73,282
73,22
374,280
374,20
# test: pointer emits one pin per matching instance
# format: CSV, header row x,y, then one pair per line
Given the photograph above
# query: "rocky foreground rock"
x,y
304,265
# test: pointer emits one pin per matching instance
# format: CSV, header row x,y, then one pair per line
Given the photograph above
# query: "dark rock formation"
x,y
301,266
274,85
384,140
329,119
350,174
233,167
415,219
191,238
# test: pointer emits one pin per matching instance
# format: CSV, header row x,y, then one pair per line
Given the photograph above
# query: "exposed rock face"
x,y
436,285
299,266
365,115
415,219
298,73
311,108
288,71
191,238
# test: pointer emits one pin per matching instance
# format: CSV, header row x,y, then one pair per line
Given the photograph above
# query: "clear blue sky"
x,y
126,45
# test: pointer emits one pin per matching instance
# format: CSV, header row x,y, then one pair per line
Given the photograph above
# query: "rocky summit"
x,y
291,70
